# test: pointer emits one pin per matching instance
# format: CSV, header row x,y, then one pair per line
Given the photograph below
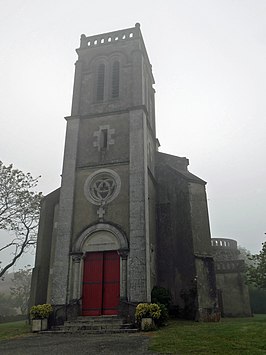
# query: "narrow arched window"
x,y
115,80
100,82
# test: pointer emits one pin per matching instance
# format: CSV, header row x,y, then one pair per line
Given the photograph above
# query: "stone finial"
x,y
83,42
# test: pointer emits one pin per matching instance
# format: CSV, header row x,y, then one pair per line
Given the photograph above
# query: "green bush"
x,y
164,315
161,295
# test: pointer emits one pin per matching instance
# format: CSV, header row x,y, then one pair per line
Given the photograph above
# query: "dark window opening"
x,y
100,82
115,80
103,139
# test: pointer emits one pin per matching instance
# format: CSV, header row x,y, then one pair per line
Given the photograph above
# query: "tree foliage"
x,y
6,306
19,212
256,273
257,300
245,255
20,290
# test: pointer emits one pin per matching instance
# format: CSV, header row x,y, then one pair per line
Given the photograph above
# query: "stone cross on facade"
x,y
104,137
100,213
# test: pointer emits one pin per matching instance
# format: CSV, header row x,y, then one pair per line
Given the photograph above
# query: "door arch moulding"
x,y
114,236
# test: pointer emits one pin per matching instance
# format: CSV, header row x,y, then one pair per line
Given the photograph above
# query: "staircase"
x,y
96,325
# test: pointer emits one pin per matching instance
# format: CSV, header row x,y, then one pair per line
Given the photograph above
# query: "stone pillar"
x,y
59,282
139,259
76,258
59,272
76,89
123,287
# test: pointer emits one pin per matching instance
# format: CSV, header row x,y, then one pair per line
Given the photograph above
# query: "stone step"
x,y
94,325
96,321
80,323
120,325
102,331
98,317
91,327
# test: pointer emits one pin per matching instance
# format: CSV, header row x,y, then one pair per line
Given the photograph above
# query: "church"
x,y
126,218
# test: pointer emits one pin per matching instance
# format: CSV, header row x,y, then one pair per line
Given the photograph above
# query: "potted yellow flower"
x,y
39,316
146,314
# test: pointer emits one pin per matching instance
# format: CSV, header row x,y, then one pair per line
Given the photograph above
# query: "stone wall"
x,y
175,259
185,264
233,292
44,250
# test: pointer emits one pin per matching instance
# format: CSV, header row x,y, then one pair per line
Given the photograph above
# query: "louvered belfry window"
x,y
100,82
115,80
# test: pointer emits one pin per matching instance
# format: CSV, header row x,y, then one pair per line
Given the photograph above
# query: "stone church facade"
x,y
126,217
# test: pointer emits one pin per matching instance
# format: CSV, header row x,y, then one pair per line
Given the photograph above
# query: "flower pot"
x,y
39,324
147,324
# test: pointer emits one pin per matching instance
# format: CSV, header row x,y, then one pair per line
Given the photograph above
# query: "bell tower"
x,y
107,197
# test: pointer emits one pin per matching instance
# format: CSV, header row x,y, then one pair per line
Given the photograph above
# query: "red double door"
x,y
101,284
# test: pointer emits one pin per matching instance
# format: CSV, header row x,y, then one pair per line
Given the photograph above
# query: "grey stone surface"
x,y
184,259
60,275
44,247
230,277
138,218
69,344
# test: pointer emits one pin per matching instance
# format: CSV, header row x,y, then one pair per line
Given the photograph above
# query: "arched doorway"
x,y
102,251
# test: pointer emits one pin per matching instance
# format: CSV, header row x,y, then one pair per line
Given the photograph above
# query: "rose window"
x,y
102,186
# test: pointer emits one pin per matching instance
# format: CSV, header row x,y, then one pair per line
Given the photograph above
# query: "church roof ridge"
x,y
173,156
188,175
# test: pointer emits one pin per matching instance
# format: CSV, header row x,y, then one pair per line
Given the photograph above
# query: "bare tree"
x,y
19,212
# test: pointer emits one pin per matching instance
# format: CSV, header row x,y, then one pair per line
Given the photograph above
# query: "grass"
x,y
13,329
245,336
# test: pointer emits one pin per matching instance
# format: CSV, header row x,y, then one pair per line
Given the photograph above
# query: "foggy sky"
x,y
208,61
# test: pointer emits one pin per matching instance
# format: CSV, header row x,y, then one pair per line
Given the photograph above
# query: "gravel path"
x,y
74,344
